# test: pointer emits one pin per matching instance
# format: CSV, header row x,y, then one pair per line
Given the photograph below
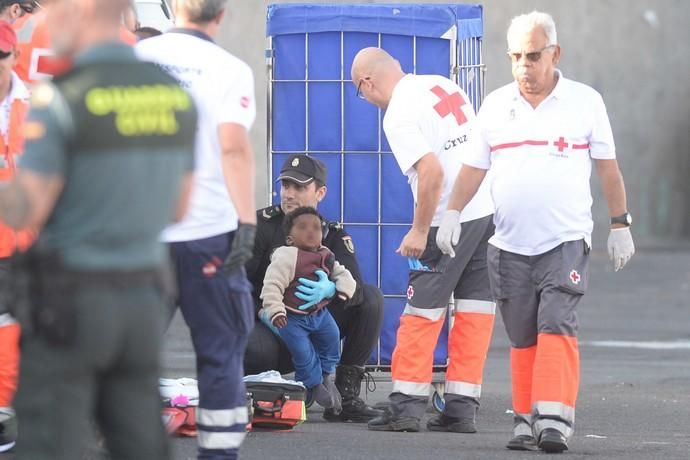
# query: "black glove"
x,y
242,247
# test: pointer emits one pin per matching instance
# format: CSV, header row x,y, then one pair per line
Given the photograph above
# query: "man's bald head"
x,y
371,61
375,73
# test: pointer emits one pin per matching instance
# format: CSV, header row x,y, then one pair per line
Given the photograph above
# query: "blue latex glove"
x,y
263,316
415,264
313,292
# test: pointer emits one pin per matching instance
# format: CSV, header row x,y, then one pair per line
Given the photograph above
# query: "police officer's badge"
x,y
349,245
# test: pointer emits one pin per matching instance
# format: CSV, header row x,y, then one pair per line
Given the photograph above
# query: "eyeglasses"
x,y
533,56
359,88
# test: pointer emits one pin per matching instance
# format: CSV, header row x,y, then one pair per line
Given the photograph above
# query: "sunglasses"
x,y
359,88
533,56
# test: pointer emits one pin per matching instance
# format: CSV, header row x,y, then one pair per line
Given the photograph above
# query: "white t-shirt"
x,y
223,88
18,91
541,163
430,113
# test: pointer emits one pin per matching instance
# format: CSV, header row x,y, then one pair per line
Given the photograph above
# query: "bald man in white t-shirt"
x,y
428,124
539,137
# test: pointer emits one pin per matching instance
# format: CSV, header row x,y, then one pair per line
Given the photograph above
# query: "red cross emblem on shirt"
x,y
450,103
575,277
561,144
410,292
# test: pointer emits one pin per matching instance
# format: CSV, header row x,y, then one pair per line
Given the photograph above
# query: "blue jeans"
x,y
314,344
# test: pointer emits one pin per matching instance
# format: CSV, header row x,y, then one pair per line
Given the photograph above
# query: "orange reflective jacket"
x,y
37,61
12,145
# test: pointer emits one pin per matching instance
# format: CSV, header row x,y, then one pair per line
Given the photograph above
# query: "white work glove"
x,y
448,233
621,247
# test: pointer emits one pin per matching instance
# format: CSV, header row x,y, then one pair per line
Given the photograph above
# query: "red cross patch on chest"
x,y
450,103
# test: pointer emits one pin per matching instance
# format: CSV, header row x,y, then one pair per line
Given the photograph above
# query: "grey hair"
x,y
525,23
201,11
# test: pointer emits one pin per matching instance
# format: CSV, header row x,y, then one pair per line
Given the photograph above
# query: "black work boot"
x,y
552,441
456,425
348,379
8,428
390,422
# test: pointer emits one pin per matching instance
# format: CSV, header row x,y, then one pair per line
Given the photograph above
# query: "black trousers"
x,y
359,326
109,372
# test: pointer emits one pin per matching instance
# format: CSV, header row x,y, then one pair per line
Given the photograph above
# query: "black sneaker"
x,y
456,425
552,441
522,442
387,422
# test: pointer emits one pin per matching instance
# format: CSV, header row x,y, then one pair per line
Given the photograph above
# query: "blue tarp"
x,y
428,20
314,109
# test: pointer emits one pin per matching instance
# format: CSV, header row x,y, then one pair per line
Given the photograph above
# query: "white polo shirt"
x,y
430,113
223,88
541,163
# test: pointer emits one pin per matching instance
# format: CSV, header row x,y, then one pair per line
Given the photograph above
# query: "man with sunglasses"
x,y
428,124
11,10
539,135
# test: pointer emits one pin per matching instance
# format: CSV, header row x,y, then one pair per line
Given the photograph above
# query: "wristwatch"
x,y
623,219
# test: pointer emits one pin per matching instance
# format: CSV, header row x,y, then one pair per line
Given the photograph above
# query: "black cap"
x,y
303,169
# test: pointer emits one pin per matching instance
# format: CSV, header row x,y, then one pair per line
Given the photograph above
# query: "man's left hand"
x,y
621,247
242,247
313,292
413,244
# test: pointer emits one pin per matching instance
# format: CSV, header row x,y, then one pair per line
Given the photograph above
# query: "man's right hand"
x,y
313,292
242,247
449,231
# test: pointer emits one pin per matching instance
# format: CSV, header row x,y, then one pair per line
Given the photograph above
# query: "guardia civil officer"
x,y
303,183
107,166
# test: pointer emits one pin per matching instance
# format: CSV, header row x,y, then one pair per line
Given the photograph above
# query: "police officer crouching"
x,y
107,165
303,181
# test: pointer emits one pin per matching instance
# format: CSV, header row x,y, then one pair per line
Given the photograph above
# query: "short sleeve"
x,y
405,137
237,103
46,132
478,151
601,145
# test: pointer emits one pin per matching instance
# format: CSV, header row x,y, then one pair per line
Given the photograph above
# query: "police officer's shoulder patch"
x,y
349,245
42,95
270,212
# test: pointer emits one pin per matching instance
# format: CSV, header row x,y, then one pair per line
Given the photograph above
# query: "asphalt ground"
x,y
634,395
634,399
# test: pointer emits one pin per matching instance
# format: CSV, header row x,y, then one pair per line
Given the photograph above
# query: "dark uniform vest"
x,y
121,105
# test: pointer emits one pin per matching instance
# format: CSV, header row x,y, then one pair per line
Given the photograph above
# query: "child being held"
x,y
310,334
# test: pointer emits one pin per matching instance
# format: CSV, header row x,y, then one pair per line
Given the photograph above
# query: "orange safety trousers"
x,y
9,362
468,343
548,372
10,148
